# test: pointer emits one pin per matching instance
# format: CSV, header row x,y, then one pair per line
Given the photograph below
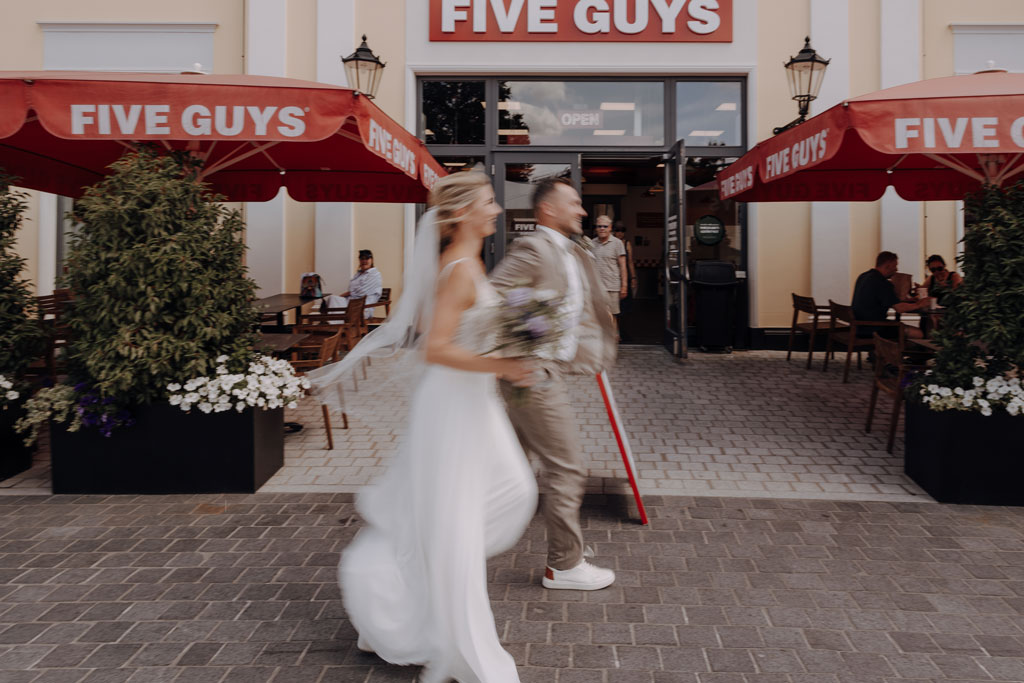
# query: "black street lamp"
x,y
805,71
363,69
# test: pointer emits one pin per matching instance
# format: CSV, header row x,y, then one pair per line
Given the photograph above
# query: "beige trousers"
x,y
545,424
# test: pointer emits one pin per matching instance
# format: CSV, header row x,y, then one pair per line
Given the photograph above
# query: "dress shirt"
x,y
572,305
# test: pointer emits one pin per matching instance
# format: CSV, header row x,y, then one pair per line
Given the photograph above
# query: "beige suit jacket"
x,y
536,261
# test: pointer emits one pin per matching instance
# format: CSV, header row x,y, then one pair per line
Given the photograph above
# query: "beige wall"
x,y
381,227
22,44
300,217
783,249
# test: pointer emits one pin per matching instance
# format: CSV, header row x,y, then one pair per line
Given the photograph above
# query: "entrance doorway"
x,y
650,196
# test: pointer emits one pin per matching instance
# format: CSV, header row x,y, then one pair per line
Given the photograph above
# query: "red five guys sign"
x,y
616,21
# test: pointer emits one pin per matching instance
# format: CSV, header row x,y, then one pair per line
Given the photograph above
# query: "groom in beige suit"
x,y
545,421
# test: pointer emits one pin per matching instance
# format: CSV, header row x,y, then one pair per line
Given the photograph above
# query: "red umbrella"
x,y
935,139
59,130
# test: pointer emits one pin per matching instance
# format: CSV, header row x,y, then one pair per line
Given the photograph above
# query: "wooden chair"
x,y
313,356
385,301
843,330
349,320
891,370
51,311
817,323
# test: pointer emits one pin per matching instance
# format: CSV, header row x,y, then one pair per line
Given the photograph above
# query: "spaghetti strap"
x,y
447,269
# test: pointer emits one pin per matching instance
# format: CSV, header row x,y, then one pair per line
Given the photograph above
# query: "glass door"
x,y
514,177
675,251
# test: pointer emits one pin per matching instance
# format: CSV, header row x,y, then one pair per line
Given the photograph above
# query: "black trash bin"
x,y
714,289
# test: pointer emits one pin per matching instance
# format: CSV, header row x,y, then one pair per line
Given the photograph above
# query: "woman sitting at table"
x,y
367,282
941,280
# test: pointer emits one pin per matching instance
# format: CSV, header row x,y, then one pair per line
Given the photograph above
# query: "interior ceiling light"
x,y
660,166
618,106
726,106
510,104
513,131
602,131
454,163
705,133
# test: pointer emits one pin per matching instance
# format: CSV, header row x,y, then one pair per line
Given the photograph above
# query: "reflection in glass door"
x,y
515,176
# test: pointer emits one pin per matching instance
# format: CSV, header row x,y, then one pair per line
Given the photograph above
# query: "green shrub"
x,y
160,289
982,333
21,336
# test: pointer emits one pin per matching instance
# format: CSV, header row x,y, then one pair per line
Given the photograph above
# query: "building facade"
x,y
598,90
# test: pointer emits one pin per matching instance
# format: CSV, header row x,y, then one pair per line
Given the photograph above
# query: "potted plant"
x,y
965,416
21,336
161,301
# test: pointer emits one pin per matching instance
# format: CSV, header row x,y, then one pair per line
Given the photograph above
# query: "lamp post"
x,y
805,71
363,69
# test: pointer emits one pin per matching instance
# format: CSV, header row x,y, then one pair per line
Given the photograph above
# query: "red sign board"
x,y
574,21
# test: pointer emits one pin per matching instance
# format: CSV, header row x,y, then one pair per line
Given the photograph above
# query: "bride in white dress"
x,y
460,489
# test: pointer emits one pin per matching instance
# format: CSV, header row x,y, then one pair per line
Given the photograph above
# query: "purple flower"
x,y
518,297
81,386
537,326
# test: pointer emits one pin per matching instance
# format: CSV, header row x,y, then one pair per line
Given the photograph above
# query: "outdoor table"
x,y
931,319
279,304
280,342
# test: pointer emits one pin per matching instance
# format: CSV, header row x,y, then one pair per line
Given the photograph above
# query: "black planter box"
x,y
15,456
966,457
170,451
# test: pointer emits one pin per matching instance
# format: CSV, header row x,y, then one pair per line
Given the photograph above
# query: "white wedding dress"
x,y
460,490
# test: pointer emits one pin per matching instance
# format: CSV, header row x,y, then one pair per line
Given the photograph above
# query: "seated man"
x,y
367,282
874,295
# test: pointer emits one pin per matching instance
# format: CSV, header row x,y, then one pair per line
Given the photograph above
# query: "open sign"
x,y
577,118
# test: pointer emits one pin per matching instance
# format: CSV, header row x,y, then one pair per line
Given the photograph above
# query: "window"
x,y
453,112
573,113
709,113
154,48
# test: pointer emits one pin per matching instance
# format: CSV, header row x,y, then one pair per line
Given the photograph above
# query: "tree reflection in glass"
x,y
453,112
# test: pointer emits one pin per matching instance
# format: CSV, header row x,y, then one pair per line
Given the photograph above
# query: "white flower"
x,y
986,411
175,400
173,386
11,395
978,381
205,407
221,359
4,383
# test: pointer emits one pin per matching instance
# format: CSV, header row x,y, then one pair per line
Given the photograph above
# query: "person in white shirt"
x,y
367,282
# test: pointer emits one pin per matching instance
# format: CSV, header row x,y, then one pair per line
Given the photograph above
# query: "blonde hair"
x,y
450,195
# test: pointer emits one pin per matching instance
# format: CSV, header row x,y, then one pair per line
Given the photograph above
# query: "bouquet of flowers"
x,y
529,323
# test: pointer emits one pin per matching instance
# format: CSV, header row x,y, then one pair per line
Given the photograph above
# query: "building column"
x,y
334,247
266,54
830,221
49,225
901,53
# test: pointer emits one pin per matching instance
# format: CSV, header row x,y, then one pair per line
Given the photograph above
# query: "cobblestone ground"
x,y
241,589
746,424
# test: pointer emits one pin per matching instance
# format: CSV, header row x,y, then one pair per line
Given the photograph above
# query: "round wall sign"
x,y
709,230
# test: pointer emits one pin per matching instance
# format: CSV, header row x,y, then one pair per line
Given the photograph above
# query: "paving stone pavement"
x,y
745,424
241,589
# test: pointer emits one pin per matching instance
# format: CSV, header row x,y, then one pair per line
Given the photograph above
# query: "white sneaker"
x,y
582,577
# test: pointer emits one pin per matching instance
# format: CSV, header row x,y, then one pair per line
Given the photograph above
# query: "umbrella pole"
x,y
621,439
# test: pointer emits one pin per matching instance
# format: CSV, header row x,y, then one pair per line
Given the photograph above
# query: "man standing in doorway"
x,y
545,422
611,264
